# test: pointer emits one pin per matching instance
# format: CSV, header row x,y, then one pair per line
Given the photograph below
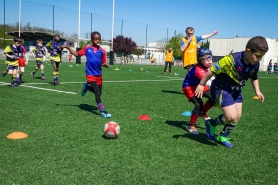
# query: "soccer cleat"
x,y
224,141
43,78
210,130
56,83
192,129
204,116
32,75
84,89
105,114
4,73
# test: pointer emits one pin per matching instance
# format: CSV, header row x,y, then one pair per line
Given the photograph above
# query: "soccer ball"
x,y
210,81
111,130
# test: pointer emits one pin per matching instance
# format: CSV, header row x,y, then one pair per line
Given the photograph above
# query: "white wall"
x,y
222,47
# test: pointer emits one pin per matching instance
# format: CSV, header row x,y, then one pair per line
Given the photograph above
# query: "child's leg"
x,y
191,127
13,72
55,72
20,73
42,70
5,71
208,105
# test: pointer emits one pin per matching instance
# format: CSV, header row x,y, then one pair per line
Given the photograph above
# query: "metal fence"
x,y
65,21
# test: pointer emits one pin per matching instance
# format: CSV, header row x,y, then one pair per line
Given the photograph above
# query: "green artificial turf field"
x,y
66,144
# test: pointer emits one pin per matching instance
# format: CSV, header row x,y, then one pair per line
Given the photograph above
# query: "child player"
x,y
55,57
96,57
275,66
232,72
21,64
269,67
190,84
13,52
38,52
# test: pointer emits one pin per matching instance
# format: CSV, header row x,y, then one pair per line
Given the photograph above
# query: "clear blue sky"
x,y
245,18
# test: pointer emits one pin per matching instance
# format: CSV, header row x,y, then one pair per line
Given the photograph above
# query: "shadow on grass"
x,y
201,138
172,92
86,107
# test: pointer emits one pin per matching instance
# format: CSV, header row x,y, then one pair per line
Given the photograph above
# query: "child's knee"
x,y
232,118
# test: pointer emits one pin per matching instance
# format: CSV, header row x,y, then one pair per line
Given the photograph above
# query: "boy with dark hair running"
x,y
13,52
96,57
190,84
55,56
38,52
232,72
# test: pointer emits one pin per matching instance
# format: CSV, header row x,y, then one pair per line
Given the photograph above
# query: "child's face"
x,y
17,44
39,44
253,57
57,38
96,40
207,61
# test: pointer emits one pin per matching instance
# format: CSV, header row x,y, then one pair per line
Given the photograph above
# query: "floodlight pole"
x,y
53,22
122,36
111,50
4,23
91,23
79,1
19,18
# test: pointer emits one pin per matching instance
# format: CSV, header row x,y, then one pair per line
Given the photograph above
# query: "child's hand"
x,y
199,91
261,96
26,63
106,65
62,47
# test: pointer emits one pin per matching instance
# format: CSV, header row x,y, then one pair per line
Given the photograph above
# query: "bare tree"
x,y
161,44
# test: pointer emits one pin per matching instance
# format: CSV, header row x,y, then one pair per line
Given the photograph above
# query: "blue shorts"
x,y
39,62
222,98
11,67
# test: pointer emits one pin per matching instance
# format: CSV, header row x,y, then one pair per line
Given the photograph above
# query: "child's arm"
x,y
255,84
70,50
10,56
106,65
200,88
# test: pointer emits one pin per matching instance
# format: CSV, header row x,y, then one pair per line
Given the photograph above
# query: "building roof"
x,y
36,34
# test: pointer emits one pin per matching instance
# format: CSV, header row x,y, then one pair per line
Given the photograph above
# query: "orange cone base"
x,y
17,135
144,117
256,97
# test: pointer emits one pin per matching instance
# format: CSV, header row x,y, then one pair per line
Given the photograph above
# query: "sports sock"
x,y
101,107
228,128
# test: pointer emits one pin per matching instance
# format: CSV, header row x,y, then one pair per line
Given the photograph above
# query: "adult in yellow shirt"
x,y
169,57
188,47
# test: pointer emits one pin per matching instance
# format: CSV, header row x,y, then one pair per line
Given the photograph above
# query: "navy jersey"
x,y
96,56
232,72
194,76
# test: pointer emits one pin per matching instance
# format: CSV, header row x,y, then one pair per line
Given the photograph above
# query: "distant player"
x,y
232,72
269,67
96,57
275,66
169,57
39,53
152,60
13,52
69,57
55,57
190,84
21,64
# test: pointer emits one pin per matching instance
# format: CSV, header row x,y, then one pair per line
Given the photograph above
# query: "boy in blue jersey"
x,y
232,72
55,57
96,57
38,52
269,67
13,53
275,66
190,83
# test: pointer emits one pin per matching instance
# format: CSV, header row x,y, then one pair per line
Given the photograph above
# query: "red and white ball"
x,y
111,130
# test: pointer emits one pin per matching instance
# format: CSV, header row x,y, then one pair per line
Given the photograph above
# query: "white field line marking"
x,y
45,89
120,81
